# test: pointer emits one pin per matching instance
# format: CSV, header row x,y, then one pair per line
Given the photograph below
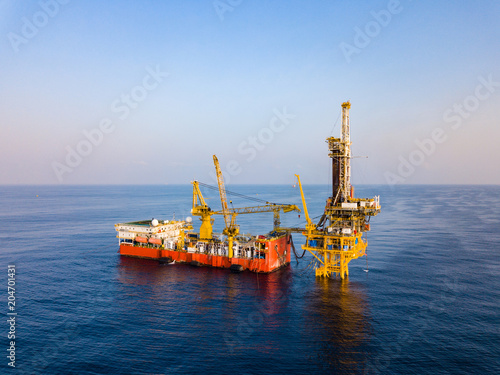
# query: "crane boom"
x,y
200,208
266,208
222,192
308,219
198,199
271,207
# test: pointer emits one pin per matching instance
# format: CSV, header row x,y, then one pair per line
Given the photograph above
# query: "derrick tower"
x,y
340,152
338,236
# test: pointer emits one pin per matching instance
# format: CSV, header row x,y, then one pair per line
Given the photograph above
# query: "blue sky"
x,y
258,83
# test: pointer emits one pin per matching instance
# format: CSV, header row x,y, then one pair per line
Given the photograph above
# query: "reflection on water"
x,y
339,320
296,320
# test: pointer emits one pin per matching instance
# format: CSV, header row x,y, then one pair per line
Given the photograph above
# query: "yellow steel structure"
x,y
200,208
222,192
231,230
309,224
338,236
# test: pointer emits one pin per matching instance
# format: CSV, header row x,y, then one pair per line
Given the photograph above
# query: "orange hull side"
x,y
277,256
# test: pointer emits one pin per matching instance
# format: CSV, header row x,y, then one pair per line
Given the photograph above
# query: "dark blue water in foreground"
x,y
428,305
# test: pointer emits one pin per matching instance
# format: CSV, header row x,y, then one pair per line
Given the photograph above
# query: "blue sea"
x,y
425,300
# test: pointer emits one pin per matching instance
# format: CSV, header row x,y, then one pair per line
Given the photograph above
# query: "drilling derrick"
x,y
340,152
338,236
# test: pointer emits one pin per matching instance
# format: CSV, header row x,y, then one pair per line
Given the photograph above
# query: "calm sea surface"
x,y
429,304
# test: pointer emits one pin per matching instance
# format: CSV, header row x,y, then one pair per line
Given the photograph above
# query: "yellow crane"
x,y
200,208
231,230
309,224
222,192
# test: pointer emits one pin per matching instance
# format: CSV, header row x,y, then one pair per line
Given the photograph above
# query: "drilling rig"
x,y
338,236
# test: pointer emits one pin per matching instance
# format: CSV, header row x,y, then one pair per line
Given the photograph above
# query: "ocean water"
x,y
429,303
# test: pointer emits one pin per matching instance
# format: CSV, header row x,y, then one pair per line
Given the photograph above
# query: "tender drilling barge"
x,y
333,242
169,241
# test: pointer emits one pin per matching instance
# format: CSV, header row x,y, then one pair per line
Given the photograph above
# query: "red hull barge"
x,y
266,255
168,241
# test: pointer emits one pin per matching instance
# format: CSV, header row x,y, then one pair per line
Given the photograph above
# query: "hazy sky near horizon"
x,y
145,92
